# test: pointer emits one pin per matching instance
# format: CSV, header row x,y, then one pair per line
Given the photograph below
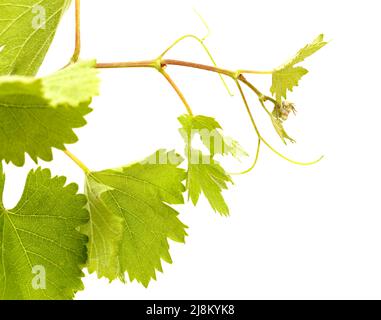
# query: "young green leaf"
x,y
278,125
205,175
39,114
27,29
210,132
41,251
286,77
279,115
131,218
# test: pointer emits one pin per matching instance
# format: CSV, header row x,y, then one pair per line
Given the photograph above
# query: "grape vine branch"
x,y
160,65
122,224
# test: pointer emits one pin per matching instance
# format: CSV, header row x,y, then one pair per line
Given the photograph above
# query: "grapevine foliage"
x,y
24,45
42,231
39,114
205,175
122,224
132,204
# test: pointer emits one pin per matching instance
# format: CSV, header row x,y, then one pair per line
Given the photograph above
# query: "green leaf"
x,y
279,115
23,38
308,50
205,175
105,231
285,80
131,218
39,114
210,132
73,85
278,125
41,251
286,77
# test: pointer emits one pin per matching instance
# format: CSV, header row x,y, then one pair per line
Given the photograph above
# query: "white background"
x,y
294,232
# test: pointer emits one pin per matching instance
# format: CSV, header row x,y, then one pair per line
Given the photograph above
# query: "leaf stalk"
x,y
78,162
77,50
